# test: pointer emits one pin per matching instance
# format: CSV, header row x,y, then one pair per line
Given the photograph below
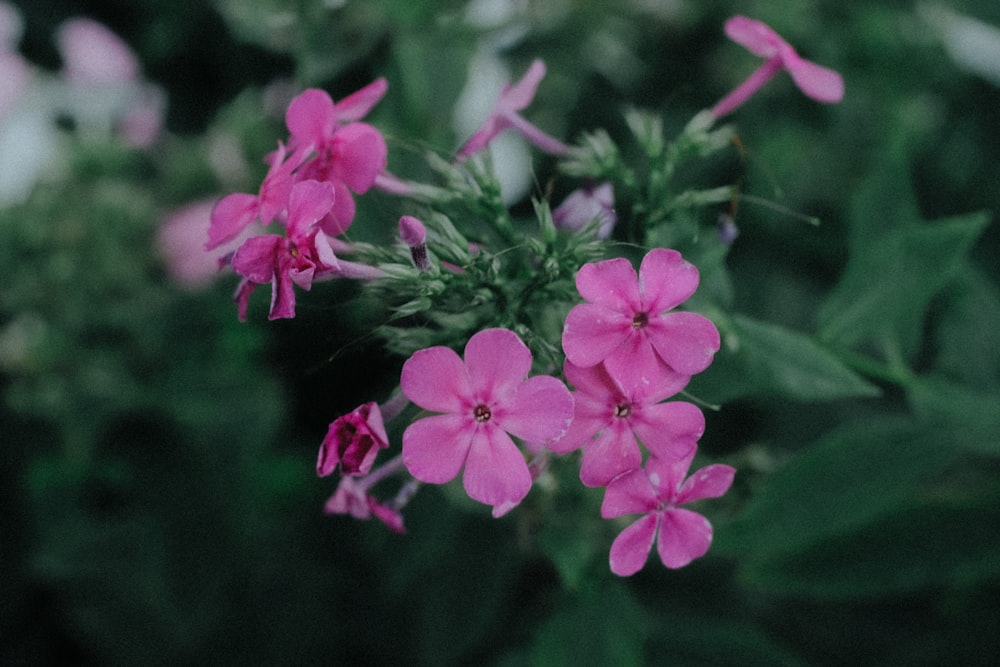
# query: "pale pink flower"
x,y
346,154
485,399
298,258
352,498
352,442
514,98
658,491
94,55
629,323
819,83
586,205
608,421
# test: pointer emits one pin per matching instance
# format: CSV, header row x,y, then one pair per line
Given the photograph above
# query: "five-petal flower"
x,y
657,491
485,399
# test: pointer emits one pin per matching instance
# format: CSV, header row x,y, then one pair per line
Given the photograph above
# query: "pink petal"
x,y
539,410
535,136
392,519
593,381
709,482
611,283
93,54
435,379
631,548
357,105
613,452
634,364
629,493
283,288
686,341
491,127
495,470
340,217
520,95
592,332
666,280
497,361
230,216
310,118
308,202
360,154
819,83
755,36
684,536
669,430
666,476
255,260
242,298
435,448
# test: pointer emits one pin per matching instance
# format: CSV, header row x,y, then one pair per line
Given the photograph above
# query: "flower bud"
x,y
414,234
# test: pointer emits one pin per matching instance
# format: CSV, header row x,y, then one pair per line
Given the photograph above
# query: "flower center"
x,y
640,320
482,413
622,410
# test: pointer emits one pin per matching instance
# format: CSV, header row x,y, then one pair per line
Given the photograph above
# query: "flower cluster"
x,y
533,313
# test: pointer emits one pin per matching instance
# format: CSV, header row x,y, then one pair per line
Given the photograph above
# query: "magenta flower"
x,y
607,421
658,491
819,83
514,98
627,323
352,498
485,400
585,205
234,212
346,154
298,258
352,442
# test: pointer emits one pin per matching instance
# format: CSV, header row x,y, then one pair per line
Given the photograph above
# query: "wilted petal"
x,y
495,470
631,548
435,379
684,536
435,448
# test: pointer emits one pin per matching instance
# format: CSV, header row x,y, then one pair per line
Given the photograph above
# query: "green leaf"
x,y
971,415
967,335
909,551
687,639
888,284
767,359
855,475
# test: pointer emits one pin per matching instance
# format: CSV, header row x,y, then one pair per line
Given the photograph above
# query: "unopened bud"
x,y
414,234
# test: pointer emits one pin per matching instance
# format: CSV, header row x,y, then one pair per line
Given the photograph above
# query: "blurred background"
x,y
159,498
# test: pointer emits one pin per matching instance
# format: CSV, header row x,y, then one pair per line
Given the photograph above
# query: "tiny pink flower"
x,y
819,83
608,421
484,400
514,98
658,491
352,442
347,154
629,323
352,498
586,205
298,258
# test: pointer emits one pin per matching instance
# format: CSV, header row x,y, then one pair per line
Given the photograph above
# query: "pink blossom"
x,y
607,422
819,83
658,491
352,498
629,323
514,98
298,258
94,55
352,442
485,399
234,212
346,154
586,205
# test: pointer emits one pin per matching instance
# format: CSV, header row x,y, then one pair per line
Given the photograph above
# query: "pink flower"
x,y
234,212
94,55
514,98
627,324
353,441
819,83
658,491
584,206
347,154
618,418
352,498
485,400
284,261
